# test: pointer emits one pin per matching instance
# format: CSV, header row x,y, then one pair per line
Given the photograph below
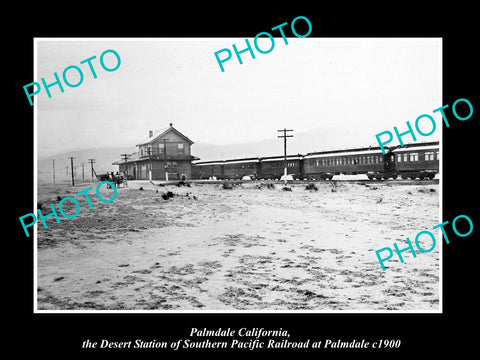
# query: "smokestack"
x,y
150,133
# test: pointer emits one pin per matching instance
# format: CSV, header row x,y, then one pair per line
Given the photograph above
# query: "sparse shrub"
x,y
182,183
423,190
141,188
286,188
227,186
311,186
333,184
267,185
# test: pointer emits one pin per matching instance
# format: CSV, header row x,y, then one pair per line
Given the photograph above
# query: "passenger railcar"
x,y
421,161
238,168
207,169
273,167
326,164
418,160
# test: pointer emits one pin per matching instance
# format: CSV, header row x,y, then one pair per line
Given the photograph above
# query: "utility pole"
x,y
83,172
284,136
165,153
149,149
53,167
71,162
91,161
125,156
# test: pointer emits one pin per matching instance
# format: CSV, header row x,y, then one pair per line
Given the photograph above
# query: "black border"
x,y
62,334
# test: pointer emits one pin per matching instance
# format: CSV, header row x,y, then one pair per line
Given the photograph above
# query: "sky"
x,y
367,85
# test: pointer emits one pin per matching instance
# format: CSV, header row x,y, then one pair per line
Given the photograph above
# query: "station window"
x,y
180,149
413,156
172,166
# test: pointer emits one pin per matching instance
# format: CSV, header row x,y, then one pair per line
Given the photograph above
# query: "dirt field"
x,y
245,248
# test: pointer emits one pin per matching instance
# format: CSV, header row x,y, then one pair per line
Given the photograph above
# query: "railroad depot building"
x,y
166,146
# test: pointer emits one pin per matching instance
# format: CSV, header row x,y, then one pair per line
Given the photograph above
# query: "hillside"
x,y
321,139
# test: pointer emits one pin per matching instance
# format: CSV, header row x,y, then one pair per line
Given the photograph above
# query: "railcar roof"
x,y
431,145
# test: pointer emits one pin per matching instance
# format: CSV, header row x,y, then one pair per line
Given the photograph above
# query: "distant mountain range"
x,y
318,140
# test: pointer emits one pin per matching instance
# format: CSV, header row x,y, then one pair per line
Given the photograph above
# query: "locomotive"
x,y
417,160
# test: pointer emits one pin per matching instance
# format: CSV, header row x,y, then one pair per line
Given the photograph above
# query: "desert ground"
x,y
251,247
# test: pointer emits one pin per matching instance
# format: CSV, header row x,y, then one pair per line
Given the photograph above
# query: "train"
x,y
411,161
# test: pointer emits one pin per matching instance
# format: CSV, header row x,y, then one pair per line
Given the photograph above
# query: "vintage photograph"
x,y
164,184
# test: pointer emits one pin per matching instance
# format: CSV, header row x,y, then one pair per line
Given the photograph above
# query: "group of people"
x,y
116,179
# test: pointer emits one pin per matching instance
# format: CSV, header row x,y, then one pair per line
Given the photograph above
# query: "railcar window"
x,y
413,156
438,155
405,157
399,158
429,156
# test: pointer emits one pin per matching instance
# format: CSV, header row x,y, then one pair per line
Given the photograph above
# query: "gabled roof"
x,y
162,132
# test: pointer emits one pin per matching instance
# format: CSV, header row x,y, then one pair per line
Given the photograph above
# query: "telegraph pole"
x,y
53,167
149,163
83,172
165,153
125,156
71,162
284,136
91,161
